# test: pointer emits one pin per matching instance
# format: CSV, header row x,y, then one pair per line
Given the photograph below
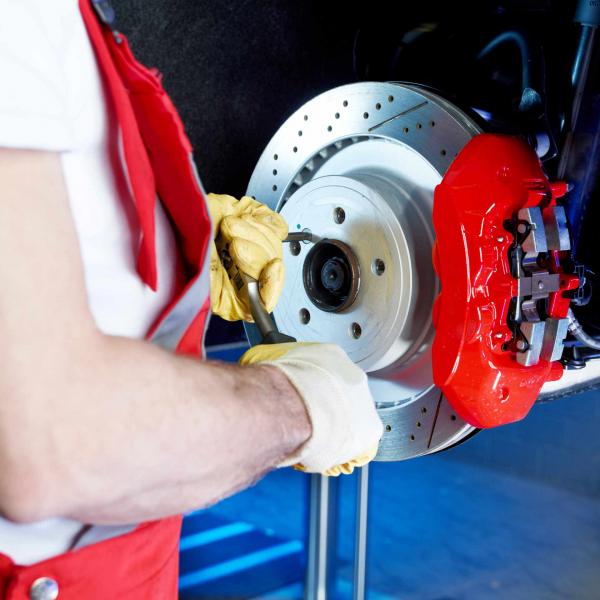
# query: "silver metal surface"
x,y
44,588
322,525
300,236
555,333
261,317
361,532
388,145
534,335
557,231
536,240
392,309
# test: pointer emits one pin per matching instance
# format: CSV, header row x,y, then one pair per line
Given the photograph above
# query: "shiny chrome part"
x,y
538,337
536,240
301,236
376,151
533,332
557,231
260,315
322,525
361,528
554,336
44,588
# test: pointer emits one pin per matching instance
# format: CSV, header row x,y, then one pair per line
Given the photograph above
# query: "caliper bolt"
x,y
521,345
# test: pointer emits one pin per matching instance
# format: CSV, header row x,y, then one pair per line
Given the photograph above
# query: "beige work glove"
x,y
252,234
346,428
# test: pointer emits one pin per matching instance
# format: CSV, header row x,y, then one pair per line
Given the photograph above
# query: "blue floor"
x,y
513,514
442,530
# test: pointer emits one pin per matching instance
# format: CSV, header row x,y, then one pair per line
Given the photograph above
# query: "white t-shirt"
x,y
52,98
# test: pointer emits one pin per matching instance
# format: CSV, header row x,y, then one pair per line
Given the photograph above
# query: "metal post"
x,y
322,529
579,76
360,548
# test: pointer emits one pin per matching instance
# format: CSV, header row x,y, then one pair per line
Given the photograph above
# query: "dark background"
x,y
237,69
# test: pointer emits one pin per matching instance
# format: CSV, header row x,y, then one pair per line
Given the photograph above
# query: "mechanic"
x,y
106,437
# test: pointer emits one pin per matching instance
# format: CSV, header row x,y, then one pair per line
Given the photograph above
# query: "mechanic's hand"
x,y
252,234
346,428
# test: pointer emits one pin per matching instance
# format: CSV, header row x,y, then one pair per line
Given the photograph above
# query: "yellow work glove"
x,y
252,234
346,428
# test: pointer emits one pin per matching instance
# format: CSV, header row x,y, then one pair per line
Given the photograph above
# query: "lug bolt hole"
x,y
356,330
304,316
388,427
339,215
378,267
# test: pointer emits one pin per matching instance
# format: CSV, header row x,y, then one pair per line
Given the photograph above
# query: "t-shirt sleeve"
x,y
36,41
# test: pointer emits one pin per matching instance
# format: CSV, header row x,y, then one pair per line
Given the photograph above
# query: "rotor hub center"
x,y
331,275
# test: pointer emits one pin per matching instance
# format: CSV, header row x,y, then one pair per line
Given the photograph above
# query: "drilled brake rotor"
x,y
357,167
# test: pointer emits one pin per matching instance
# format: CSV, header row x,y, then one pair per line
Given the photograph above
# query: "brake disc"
x,y
357,166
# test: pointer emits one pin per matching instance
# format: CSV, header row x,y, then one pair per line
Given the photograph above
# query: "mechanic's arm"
x,y
106,429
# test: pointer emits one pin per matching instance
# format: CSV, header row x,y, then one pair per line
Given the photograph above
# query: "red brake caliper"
x,y
500,317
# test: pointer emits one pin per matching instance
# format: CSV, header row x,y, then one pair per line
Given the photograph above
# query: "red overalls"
x,y
157,154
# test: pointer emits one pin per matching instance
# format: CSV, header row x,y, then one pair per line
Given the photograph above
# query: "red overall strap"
x,y
141,176
159,160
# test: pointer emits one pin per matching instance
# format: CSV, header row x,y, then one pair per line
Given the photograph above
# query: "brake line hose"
x,y
576,330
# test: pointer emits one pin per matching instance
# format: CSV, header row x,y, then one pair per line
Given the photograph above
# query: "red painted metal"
x,y
489,181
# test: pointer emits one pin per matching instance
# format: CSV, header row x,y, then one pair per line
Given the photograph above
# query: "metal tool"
x,y
248,286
